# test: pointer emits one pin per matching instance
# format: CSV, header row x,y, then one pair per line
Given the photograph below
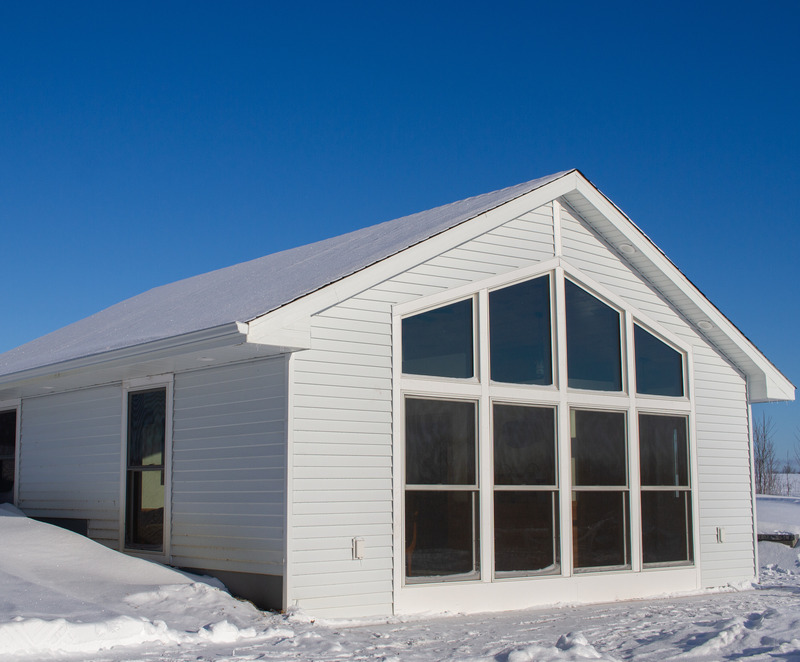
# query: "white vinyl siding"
x,y
229,459
70,459
342,423
720,422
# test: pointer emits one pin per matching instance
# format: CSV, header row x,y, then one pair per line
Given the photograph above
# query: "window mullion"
x,y
634,478
485,454
562,424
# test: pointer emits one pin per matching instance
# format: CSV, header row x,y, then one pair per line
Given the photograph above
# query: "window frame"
x,y
443,488
554,489
687,489
144,384
14,405
558,395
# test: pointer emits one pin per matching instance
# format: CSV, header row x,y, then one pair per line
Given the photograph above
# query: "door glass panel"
x,y
524,445
526,531
439,342
663,450
598,448
600,529
659,368
440,442
144,507
519,332
666,526
147,411
594,358
442,534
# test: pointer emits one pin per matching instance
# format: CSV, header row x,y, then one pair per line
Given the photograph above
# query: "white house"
x,y
511,400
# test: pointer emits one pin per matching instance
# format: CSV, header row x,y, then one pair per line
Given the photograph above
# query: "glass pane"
x,y
525,531
440,442
7,481
8,433
145,504
441,534
594,359
519,332
666,527
524,445
659,368
147,412
8,437
600,529
663,450
439,342
598,448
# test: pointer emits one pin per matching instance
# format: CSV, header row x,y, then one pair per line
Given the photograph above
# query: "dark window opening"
x,y
666,496
519,333
659,368
594,354
144,521
8,445
439,342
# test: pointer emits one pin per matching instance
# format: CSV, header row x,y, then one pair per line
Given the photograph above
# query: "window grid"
x,y
559,396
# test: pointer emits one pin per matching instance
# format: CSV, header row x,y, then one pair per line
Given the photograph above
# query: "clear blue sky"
x,y
144,142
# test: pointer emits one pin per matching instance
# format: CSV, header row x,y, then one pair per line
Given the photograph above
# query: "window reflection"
x,y
519,319
439,342
659,368
594,359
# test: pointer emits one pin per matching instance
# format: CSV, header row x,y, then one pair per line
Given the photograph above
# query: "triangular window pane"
x,y
659,368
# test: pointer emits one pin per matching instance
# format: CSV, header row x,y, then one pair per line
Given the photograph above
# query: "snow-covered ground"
x,y
63,597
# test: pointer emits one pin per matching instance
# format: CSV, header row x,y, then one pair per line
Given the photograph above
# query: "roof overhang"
x,y
216,346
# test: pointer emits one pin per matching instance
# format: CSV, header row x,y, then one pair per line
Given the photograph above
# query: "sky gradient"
x,y
146,142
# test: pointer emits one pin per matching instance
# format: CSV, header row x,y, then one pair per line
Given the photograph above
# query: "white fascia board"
x,y
262,328
220,336
768,383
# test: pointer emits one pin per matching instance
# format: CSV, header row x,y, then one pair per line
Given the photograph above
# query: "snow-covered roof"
x,y
242,292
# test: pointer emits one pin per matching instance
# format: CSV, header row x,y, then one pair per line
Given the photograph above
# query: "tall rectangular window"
x,y
146,447
600,510
8,444
519,333
526,536
441,495
594,354
666,495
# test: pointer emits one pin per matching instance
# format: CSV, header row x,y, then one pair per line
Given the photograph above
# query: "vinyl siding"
x,y
342,423
70,455
721,424
229,467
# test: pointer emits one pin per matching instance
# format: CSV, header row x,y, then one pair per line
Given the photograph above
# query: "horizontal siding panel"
x,y
342,508
229,467
340,542
309,561
343,443
359,519
70,457
368,572
343,496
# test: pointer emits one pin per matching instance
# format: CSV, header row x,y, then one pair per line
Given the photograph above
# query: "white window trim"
x,y
16,406
131,386
563,399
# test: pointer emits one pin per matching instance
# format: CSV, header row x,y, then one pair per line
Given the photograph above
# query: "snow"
x,y
64,597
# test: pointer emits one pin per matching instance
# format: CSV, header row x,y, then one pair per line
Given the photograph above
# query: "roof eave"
x,y
206,339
